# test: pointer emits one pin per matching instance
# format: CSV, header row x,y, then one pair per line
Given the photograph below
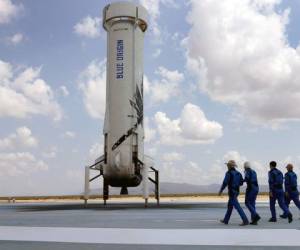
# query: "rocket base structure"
x,y
124,163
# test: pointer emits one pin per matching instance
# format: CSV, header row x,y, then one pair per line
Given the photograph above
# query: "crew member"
x,y
233,180
291,189
251,192
276,193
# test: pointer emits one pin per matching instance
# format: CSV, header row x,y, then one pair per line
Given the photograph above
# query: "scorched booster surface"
x,y
123,163
125,24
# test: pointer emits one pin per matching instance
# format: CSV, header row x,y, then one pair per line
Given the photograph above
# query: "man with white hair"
x,y
251,192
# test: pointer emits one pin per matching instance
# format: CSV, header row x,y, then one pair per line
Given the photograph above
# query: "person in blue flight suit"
x,y
251,192
276,193
233,180
291,188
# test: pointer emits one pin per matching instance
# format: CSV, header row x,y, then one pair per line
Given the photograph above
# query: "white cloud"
x,y
8,10
75,175
194,173
93,85
156,53
152,151
188,172
22,138
153,7
191,128
261,169
88,27
234,155
172,156
244,59
25,94
150,133
166,87
51,153
96,151
24,163
70,134
5,73
15,39
64,91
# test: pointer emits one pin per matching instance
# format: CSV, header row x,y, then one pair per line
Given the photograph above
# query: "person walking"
x,y
233,180
291,188
276,193
251,192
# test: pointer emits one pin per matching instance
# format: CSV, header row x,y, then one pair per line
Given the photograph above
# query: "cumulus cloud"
x,y
75,176
88,27
152,151
244,59
172,156
187,172
150,132
153,8
25,94
15,39
261,169
8,11
219,168
92,83
21,138
24,163
191,128
156,53
70,134
179,171
64,91
95,151
164,88
50,153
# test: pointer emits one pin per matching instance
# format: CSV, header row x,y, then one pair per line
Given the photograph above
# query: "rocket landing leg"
x,y
96,167
155,181
105,191
145,183
86,185
146,169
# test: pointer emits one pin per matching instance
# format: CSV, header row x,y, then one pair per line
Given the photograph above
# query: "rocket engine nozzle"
x,y
124,191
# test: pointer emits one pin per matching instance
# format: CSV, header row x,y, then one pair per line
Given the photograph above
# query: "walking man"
x,y
276,193
233,180
251,192
291,189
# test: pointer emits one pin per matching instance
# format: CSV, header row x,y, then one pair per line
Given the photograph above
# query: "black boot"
x,y
245,223
222,221
272,220
256,218
290,217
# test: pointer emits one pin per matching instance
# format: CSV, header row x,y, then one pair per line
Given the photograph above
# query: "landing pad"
x,y
173,225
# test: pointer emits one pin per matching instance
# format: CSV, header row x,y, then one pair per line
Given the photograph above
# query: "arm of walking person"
x,y
225,183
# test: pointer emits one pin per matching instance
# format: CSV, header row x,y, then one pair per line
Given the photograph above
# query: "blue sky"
x,y
220,84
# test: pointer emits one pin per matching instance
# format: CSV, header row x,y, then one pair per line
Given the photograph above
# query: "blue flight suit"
x,y
233,180
276,188
290,184
251,191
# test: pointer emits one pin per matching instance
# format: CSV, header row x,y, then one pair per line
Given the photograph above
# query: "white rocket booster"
x,y
123,131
